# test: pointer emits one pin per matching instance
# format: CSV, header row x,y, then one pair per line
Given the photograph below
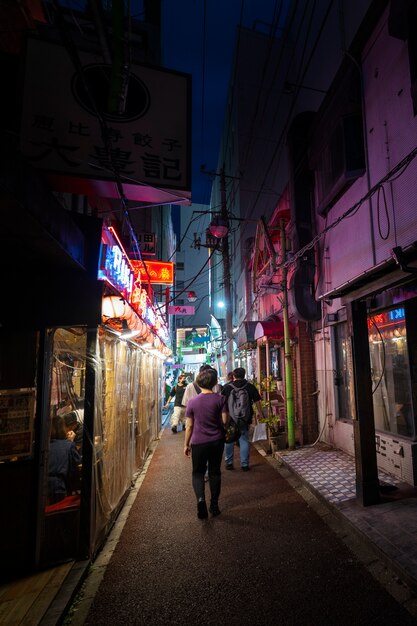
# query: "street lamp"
x,y
171,295
217,238
191,296
219,227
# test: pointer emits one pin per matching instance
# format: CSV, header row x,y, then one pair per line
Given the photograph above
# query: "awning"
x,y
245,334
271,330
385,275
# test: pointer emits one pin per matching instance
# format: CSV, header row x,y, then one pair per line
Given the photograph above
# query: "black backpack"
x,y
239,403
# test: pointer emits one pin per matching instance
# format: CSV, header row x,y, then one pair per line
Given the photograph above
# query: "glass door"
x,y
62,484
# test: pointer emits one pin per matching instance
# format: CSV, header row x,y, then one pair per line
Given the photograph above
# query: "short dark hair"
x,y
58,430
239,372
207,378
70,418
205,367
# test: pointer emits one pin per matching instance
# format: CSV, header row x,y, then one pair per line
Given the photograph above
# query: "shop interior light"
x,y
130,335
156,353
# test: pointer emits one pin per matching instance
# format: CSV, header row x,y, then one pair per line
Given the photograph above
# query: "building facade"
x,y
365,214
83,347
344,167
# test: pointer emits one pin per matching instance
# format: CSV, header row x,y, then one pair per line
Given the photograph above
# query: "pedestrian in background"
x,y
193,388
177,392
206,419
241,387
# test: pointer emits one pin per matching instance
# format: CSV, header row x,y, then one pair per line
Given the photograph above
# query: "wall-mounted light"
x,y
399,257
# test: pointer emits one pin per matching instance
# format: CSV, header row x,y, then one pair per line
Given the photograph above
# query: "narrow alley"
x,y
271,557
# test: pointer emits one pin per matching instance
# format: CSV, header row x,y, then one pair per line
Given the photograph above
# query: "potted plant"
x,y
276,430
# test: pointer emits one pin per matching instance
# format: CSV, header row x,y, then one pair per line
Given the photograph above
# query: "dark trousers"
x,y
207,455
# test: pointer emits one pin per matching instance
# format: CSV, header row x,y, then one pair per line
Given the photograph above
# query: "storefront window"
x,y
390,372
343,374
275,364
64,449
17,395
66,415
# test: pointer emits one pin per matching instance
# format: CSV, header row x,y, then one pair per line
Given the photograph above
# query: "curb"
x,y
73,602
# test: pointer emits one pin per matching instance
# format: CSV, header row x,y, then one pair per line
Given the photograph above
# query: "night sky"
x,y
198,37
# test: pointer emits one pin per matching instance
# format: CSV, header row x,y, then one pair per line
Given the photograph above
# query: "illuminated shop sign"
x,y
388,318
117,269
147,243
115,266
155,272
396,315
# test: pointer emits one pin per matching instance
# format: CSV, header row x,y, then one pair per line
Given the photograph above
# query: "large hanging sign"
x,y
148,143
156,272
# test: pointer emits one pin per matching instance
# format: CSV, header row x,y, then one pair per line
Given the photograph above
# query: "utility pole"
x,y
289,394
226,277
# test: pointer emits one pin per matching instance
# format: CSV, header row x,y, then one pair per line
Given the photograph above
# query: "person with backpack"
x,y
241,396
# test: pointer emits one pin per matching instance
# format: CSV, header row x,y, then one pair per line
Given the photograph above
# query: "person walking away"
x,y
206,419
177,392
241,396
192,389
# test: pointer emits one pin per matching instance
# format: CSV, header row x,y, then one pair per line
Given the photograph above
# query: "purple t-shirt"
x,y
206,413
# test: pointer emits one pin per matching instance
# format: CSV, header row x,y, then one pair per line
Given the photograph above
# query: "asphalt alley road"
x,y
271,557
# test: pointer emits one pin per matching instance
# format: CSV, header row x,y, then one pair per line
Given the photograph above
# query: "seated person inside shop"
x,y
72,424
63,463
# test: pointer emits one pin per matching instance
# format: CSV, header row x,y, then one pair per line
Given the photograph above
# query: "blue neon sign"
x,y
396,315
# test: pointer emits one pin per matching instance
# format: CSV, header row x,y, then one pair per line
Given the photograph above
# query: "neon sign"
x,y
117,269
388,318
115,266
396,314
160,272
